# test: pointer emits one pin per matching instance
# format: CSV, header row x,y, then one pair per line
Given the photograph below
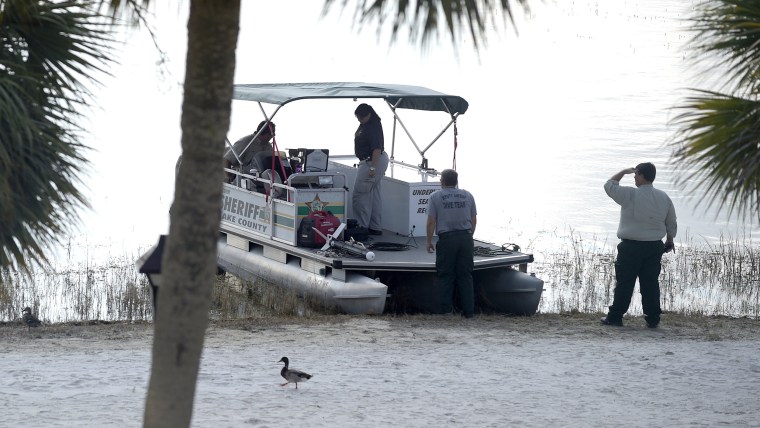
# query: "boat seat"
x,y
316,160
263,162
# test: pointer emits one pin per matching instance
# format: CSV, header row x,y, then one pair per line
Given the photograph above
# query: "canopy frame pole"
x,y
445,128
397,118
443,131
393,140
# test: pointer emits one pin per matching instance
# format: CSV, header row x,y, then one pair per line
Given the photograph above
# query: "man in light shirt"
x,y
646,216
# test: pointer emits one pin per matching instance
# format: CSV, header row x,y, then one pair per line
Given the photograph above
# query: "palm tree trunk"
x,y
189,262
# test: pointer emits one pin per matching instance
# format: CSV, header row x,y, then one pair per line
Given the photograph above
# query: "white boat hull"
x,y
358,294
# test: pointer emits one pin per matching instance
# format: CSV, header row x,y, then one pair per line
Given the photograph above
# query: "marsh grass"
x,y
699,279
112,291
721,279
235,298
115,291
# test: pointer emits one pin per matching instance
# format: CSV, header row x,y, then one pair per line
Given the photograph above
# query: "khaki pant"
x,y
367,204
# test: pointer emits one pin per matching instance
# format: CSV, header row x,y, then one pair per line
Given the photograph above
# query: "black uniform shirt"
x,y
368,137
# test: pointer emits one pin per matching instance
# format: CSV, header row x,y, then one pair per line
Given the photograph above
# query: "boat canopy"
x,y
398,96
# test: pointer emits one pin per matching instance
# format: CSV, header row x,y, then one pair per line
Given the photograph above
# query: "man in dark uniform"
x,y
452,215
369,146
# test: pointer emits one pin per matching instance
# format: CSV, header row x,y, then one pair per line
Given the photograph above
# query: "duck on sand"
x,y
292,375
29,319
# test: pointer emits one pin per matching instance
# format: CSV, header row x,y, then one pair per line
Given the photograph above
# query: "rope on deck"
x,y
492,252
338,253
388,246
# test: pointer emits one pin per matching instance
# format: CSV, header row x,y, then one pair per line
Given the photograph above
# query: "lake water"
x,y
586,90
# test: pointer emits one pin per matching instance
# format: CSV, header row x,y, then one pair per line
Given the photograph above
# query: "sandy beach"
x,y
406,371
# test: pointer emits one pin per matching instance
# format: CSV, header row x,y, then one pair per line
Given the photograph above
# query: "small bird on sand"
x,y
29,319
292,375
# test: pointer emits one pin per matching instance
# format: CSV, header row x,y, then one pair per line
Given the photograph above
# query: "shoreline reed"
x,y
701,278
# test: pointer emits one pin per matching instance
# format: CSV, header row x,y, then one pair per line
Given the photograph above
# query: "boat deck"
x,y
394,252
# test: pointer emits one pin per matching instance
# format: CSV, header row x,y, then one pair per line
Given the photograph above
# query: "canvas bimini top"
x,y
399,96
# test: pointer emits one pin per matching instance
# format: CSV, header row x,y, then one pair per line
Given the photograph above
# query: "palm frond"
x,y
425,19
728,32
718,144
50,52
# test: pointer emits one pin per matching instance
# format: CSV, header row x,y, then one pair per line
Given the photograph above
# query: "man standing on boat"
x,y
246,156
369,147
453,216
646,216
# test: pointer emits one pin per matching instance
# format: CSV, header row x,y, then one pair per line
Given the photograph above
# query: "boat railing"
x,y
295,181
420,168
314,180
251,182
